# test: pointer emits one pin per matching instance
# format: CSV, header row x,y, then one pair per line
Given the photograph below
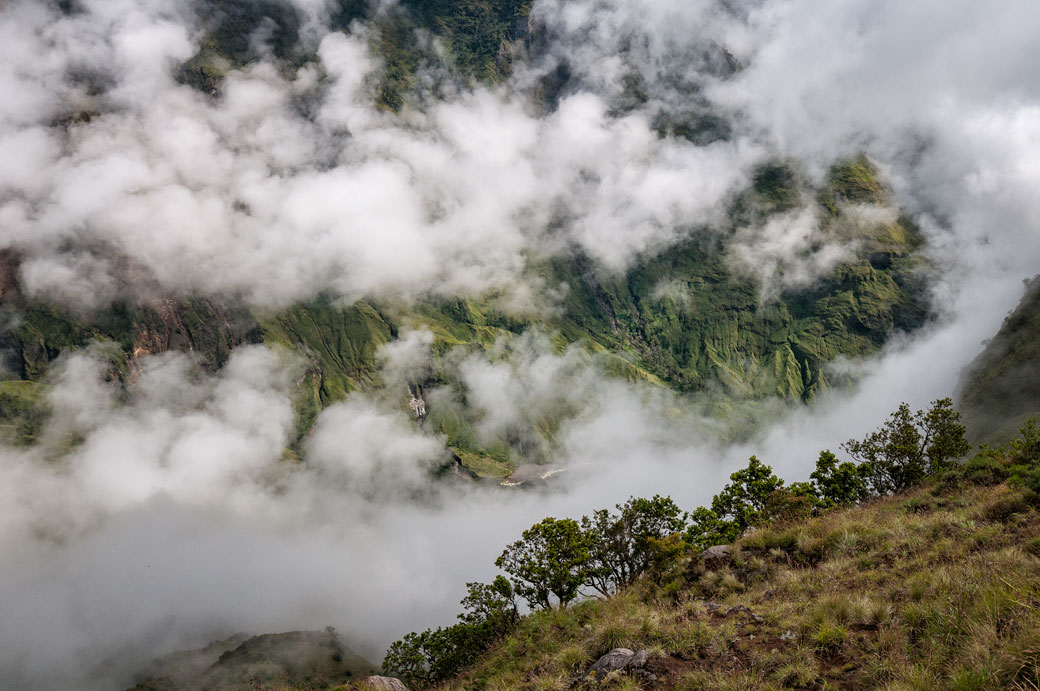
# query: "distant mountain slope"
x,y
693,316
298,659
1000,389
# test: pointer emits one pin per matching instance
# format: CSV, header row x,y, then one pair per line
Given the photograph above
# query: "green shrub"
x,y
627,544
1002,509
839,484
986,468
910,446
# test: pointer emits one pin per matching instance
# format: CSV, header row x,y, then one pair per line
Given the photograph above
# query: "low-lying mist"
x,y
168,514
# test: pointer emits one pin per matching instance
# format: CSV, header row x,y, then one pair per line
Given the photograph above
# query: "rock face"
x,y
385,684
618,660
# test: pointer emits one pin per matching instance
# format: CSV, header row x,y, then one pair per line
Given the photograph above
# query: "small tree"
x,y
738,506
551,560
839,484
745,497
623,544
910,446
493,605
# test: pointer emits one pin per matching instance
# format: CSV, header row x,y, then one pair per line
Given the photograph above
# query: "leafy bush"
x,y
1025,456
625,545
437,654
789,504
910,446
839,484
986,468
739,505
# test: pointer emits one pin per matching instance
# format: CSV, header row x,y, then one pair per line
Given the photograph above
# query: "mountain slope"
x,y
937,588
1000,389
298,659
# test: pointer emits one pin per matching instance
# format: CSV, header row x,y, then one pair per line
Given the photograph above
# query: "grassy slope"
x,y
926,590
1001,388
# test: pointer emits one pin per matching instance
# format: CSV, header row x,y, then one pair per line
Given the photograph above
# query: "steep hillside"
x,y
938,588
1000,389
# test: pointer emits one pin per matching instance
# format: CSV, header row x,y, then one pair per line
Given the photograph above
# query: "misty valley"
x,y
519,344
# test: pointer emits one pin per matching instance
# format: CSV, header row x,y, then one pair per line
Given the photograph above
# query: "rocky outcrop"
x,y
716,556
193,325
620,660
378,683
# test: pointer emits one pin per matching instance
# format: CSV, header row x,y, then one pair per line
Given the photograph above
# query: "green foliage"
x,y
987,467
625,545
744,499
341,341
1025,457
839,484
436,654
1026,447
42,333
739,505
475,30
791,503
551,560
687,318
854,180
910,446
491,604
777,185
23,411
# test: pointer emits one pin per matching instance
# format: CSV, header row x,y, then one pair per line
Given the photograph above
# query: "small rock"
x,y
716,556
788,636
386,684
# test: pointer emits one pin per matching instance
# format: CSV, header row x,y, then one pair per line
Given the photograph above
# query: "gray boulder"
x,y
618,659
716,556
385,684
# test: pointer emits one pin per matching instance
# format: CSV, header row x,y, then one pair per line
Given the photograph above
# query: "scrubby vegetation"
x,y
846,581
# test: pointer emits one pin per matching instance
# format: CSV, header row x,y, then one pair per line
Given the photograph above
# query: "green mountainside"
x,y
686,317
692,316
1000,389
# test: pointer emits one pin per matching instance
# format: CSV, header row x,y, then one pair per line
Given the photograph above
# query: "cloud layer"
x,y
168,516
